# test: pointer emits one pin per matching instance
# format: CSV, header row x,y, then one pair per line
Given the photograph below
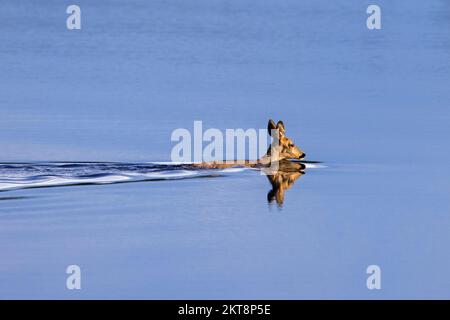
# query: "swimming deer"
x,y
281,148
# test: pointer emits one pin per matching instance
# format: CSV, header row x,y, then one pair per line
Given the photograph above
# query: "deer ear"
x,y
271,126
281,128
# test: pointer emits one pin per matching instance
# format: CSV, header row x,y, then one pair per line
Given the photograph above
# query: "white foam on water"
x,y
314,166
60,181
167,174
233,170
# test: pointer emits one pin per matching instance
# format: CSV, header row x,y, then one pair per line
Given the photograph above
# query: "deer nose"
x,y
302,155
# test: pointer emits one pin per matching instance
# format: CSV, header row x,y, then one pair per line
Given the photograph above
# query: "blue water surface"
x,y
373,105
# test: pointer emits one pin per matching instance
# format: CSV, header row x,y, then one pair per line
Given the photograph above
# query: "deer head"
x,y
282,147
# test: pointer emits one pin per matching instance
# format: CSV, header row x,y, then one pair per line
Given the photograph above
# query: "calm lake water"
x,y
372,105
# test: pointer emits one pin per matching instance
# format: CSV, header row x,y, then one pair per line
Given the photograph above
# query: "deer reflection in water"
x,y
282,179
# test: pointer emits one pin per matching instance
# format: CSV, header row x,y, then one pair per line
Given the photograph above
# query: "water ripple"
x,y
52,174
35,175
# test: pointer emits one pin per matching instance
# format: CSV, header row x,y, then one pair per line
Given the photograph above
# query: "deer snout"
x,y
302,155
